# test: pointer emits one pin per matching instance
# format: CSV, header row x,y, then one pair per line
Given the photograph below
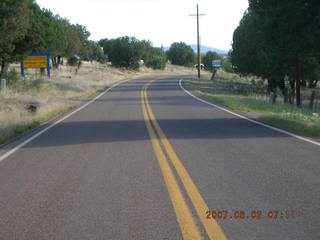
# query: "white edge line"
x,y
248,119
10,152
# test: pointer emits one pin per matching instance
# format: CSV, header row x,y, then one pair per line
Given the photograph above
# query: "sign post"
x,y
215,64
37,60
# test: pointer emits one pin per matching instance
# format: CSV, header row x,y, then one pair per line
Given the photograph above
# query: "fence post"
x,y
316,101
285,95
3,84
312,97
272,97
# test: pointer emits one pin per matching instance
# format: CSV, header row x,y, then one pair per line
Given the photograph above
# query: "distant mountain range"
x,y
204,49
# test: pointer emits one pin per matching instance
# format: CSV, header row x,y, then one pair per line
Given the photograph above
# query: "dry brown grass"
x,y
62,91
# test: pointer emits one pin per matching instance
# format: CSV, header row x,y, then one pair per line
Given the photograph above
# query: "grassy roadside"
x,y
283,116
17,128
63,91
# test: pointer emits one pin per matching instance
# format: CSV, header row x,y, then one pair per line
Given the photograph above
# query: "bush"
x,y
181,54
94,53
227,65
12,77
102,58
157,59
73,61
125,52
157,62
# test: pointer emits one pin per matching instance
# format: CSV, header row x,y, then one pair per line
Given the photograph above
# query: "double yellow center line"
x,y
164,151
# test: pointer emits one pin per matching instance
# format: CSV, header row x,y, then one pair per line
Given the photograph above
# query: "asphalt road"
x,y
148,161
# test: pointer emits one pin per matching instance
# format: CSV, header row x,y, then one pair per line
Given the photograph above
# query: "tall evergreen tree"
x,y
14,21
275,38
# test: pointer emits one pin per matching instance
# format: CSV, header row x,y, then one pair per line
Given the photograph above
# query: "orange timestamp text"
x,y
253,214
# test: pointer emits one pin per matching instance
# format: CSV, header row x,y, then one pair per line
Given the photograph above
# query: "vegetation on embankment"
x,y
284,116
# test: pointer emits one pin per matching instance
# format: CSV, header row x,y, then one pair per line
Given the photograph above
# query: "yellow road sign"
x,y
35,62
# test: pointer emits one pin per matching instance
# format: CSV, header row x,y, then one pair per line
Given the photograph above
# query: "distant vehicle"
x,y
201,66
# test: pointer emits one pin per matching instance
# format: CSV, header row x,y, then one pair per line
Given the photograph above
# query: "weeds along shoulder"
x,y
19,119
286,116
303,127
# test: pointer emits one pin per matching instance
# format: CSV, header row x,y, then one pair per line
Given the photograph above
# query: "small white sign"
x,y
216,63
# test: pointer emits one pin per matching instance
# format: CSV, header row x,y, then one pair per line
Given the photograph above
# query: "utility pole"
x,y
198,38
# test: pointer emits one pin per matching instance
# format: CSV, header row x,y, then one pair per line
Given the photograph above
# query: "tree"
x,y
292,28
226,63
95,52
42,35
14,21
83,35
128,51
275,38
49,33
157,59
146,49
72,42
181,54
125,52
106,44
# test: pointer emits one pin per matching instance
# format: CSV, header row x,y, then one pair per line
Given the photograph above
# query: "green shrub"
x,y
14,81
12,77
157,62
125,52
181,54
227,65
73,61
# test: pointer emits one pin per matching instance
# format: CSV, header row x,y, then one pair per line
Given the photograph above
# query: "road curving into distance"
x,y
145,160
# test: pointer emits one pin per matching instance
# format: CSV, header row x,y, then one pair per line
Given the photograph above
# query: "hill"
x,y
204,49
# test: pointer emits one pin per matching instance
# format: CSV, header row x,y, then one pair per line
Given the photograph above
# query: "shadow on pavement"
x,y
91,132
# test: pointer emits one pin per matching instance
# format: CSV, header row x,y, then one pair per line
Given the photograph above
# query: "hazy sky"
x,y
160,21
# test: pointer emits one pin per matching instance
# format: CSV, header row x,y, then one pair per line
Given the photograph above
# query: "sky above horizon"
x,y
160,21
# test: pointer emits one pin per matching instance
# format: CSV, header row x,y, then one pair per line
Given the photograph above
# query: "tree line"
x,y
27,28
128,52
279,41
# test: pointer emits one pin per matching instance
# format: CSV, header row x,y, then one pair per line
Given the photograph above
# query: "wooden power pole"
x,y
198,39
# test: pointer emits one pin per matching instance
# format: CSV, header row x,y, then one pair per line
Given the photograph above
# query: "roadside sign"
x,y
36,60
216,63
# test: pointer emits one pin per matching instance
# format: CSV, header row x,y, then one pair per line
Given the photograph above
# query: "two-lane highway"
x,y
148,161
